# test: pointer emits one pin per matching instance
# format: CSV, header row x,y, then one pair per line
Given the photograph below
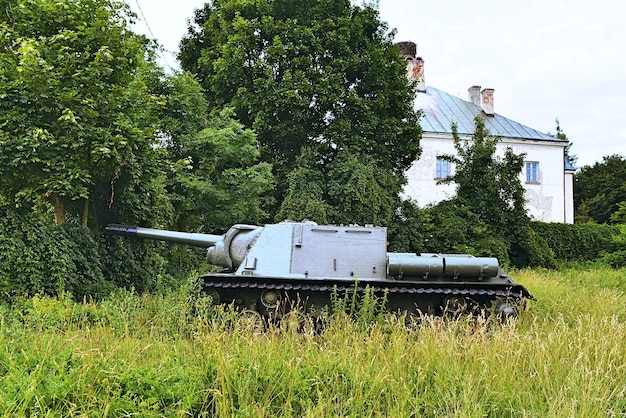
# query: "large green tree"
x,y
219,180
75,110
321,74
600,188
215,177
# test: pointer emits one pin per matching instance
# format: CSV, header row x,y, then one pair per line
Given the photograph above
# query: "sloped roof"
x,y
441,109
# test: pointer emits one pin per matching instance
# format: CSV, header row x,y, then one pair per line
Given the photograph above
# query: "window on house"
x,y
532,172
443,169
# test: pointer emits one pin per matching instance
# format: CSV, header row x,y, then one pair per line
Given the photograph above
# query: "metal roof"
x,y
441,109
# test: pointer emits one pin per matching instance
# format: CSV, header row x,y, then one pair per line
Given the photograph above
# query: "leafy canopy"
x,y
74,105
488,184
320,74
222,181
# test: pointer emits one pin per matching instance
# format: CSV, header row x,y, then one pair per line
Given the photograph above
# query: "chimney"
x,y
418,74
408,49
488,101
414,65
474,95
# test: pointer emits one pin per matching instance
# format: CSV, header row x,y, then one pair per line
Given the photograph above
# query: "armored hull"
x,y
271,270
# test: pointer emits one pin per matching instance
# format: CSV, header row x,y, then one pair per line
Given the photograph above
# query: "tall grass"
x,y
176,355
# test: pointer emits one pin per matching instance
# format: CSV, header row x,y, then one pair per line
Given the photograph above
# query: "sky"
x,y
546,59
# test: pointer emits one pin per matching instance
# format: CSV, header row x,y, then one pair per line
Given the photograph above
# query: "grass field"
x,y
174,356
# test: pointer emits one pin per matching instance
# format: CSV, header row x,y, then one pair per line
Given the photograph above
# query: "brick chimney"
x,y
474,95
487,95
414,65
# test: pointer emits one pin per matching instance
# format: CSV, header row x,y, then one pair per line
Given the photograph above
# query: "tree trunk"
x,y
59,209
85,212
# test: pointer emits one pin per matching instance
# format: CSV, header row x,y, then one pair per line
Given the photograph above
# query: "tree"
x,y
490,187
75,111
306,192
599,189
219,180
321,74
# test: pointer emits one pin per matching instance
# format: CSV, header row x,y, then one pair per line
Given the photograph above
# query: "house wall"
x,y
569,196
421,184
546,199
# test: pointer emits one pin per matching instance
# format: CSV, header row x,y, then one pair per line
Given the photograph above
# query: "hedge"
x,y
579,242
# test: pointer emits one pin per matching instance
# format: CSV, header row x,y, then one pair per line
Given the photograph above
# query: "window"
x,y
532,172
442,170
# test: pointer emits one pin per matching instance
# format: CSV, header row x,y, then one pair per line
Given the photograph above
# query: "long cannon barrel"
x,y
189,238
228,250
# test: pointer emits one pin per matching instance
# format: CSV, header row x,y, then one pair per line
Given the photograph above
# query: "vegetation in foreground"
x,y
175,355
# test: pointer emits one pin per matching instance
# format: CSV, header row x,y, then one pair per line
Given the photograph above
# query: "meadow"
x,y
175,355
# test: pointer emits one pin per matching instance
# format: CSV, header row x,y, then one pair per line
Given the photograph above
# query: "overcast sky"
x,y
546,59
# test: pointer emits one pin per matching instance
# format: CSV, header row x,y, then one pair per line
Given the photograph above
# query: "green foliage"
x,y
488,188
319,74
619,216
359,192
531,249
599,189
409,230
455,229
616,257
185,110
487,184
305,197
220,180
137,195
347,190
39,258
75,107
580,242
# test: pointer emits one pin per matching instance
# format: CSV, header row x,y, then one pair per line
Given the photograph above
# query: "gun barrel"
x,y
189,238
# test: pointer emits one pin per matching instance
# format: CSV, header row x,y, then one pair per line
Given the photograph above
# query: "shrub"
x,y
579,242
39,258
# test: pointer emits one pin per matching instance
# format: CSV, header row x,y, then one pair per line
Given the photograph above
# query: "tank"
x,y
269,271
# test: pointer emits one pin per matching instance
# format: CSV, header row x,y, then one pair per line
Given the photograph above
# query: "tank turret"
x,y
304,263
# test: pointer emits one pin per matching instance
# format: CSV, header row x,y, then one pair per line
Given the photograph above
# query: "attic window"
x,y
443,169
532,172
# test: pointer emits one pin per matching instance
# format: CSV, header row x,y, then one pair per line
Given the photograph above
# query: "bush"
x,y
529,249
579,242
39,258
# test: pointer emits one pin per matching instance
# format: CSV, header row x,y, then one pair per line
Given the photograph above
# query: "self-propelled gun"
x,y
268,270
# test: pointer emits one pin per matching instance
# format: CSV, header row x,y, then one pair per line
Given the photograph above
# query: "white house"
x,y
547,175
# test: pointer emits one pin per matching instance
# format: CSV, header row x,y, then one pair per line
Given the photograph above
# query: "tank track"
x,y
466,290
412,297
